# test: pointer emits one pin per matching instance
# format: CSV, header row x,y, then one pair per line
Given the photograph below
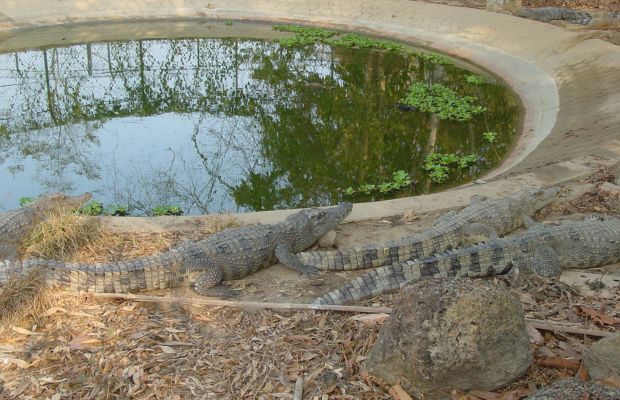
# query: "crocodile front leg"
x,y
285,255
477,232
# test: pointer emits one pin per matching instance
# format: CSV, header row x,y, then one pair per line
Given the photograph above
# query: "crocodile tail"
x,y
383,280
145,273
376,282
366,257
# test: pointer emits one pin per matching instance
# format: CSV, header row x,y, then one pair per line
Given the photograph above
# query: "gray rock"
x,y
576,389
603,358
452,333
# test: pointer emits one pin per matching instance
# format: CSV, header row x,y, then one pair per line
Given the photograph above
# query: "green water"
x,y
224,124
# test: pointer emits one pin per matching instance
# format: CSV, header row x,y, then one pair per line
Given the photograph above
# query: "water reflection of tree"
x,y
322,118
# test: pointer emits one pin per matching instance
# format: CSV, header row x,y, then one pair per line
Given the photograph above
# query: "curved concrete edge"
x,y
552,70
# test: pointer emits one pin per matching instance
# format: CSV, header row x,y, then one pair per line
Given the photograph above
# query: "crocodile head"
x,y
60,202
309,225
542,197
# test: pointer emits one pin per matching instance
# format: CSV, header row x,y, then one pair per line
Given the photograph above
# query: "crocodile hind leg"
x,y
209,283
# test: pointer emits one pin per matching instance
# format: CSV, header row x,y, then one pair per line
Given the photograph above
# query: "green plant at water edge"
x,y
365,42
490,136
167,210
433,58
442,101
304,35
400,179
117,211
308,35
438,164
25,200
305,31
91,208
229,23
474,79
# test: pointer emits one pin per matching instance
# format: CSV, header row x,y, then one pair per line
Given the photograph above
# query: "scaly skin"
x,y
16,225
481,220
542,249
230,254
548,14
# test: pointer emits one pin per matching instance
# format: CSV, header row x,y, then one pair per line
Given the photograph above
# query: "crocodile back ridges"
x,y
587,244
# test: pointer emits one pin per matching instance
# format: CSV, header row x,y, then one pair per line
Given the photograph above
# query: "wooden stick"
x,y
299,388
538,324
230,303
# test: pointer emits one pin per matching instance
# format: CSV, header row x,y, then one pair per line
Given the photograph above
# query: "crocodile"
x,y
542,249
483,218
203,264
16,225
548,14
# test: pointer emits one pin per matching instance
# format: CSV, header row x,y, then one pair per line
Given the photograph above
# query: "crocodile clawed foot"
x,y
216,291
308,270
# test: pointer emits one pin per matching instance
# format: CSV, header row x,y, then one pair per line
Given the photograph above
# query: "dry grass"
x,y
60,236
22,299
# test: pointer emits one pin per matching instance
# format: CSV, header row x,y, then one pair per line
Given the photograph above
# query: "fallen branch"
x,y
538,324
559,327
559,363
229,303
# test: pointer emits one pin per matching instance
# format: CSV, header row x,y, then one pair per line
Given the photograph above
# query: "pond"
x,y
218,124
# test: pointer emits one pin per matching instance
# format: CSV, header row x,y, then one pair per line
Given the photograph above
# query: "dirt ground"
x,y
83,348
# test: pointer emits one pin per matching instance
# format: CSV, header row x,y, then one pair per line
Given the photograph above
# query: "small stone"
x,y
480,181
610,189
452,333
576,389
328,239
504,5
603,358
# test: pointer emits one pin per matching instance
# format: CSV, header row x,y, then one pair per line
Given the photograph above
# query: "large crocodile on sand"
x,y
230,254
16,225
542,249
482,219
